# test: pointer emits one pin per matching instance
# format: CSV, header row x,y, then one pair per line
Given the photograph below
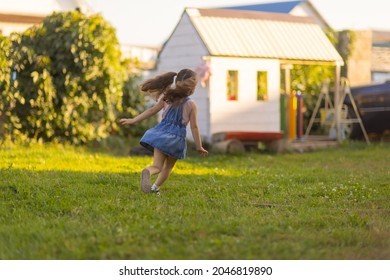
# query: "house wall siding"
x,y
245,114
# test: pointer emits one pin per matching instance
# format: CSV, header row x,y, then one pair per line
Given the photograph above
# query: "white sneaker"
x,y
155,190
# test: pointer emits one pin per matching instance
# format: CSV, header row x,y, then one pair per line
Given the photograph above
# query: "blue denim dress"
x,y
169,136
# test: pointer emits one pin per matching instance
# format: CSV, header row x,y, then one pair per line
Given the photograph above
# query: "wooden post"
x,y
292,116
287,68
337,101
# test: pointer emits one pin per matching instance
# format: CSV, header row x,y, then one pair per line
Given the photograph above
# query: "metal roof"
x,y
264,35
278,7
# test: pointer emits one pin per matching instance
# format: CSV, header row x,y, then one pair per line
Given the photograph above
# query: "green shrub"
x,y
5,76
69,74
9,97
71,82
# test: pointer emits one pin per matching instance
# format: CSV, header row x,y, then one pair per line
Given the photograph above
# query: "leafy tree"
x,y
5,79
5,76
8,98
309,78
70,75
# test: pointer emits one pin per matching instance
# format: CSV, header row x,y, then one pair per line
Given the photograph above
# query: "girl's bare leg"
x,y
165,171
158,163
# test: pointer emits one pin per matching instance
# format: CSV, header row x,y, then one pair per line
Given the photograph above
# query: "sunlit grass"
x,y
62,202
69,158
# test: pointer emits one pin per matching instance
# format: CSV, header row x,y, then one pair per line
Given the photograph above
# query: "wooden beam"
x,y
336,101
14,18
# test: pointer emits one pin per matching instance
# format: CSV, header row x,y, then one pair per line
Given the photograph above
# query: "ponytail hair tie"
x,y
174,82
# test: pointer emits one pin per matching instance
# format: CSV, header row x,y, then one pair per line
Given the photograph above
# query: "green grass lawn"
x,y
61,202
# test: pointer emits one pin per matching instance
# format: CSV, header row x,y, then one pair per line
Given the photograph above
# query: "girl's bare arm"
x,y
144,115
195,131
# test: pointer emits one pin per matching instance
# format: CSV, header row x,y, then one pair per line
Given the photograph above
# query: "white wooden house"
x,y
243,53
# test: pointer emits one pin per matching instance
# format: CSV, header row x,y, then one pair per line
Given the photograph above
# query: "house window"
x,y
232,85
262,86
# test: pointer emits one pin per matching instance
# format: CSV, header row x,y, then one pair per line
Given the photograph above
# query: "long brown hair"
x,y
185,84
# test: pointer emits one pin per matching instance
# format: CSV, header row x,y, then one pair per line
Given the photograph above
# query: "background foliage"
x,y
309,79
7,98
71,82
